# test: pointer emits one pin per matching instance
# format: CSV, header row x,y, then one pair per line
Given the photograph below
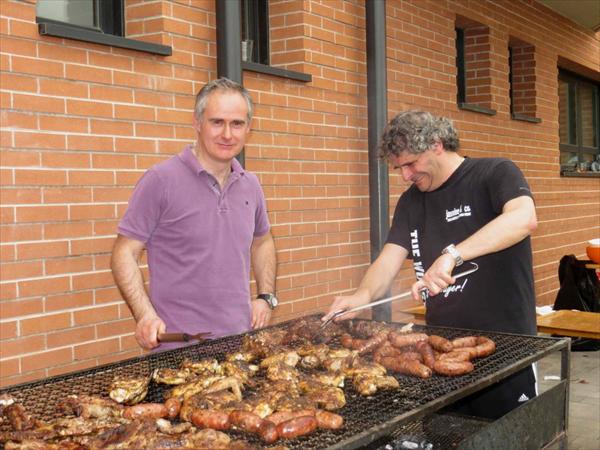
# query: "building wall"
x,y
81,122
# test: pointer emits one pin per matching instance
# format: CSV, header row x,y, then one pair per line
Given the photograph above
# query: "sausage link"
x,y
299,426
466,341
246,420
441,344
211,418
268,431
485,346
456,355
406,366
173,406
452,368
427,353
328,420
145,410
282,416
402,340
370,344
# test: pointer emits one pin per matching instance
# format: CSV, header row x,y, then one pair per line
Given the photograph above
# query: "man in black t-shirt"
x,y
459,209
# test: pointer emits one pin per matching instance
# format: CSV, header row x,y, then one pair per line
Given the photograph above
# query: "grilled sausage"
x,y
211,418
282,416
457,355
246,420
370,344
485,346
173,406
146,410
346,340
466,341
402,340
268,431
299,426
452,368
427,353
406,366
328,420
441,344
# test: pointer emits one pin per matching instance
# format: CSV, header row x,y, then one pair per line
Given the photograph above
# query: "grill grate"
x,y
411,401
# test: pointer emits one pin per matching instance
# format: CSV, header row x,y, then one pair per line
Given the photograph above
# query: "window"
x,y
105,16
473,66
255,31
579,124
97,21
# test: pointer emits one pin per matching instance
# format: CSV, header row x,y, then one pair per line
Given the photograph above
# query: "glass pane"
x,y
587,94
568,159
75,12
566,114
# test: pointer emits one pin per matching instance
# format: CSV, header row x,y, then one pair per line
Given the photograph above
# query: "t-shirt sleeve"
x,y
144,210
399,233
507,183
261,218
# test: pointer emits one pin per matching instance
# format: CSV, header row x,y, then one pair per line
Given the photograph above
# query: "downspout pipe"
x,y
377,120
229,44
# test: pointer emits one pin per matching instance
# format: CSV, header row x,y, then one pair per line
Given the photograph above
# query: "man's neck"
x,y
218,169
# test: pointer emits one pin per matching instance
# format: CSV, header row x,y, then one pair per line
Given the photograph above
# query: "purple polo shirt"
x,y
198,242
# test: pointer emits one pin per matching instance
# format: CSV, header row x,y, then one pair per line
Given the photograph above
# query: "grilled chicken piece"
x,y
361,367
309,330
295,403
229,383
325,397
17,416
170,376
204,367
241,356
330,378
367,384
339,360
290,358
312,356
240,369
365,329
87,406
129,390
282,371
36,444
213,400
186,390
264,343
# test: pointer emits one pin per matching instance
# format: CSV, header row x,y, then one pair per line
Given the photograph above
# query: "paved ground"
x,y
584,400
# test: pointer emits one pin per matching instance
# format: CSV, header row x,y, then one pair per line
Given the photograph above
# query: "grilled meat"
x,y
186,390
129,390
87,406
174,377
289,358
203,368
240,369
282,371
367,384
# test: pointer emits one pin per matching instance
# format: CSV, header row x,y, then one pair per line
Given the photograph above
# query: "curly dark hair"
x,y
415,132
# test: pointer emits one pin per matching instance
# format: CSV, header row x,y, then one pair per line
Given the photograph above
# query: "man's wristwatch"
x,y
270,299
451,250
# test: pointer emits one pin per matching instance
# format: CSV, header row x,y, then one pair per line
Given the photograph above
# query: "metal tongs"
x,y
182,337
341,312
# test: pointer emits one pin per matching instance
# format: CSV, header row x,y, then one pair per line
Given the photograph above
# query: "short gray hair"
x,y
416,132
223,85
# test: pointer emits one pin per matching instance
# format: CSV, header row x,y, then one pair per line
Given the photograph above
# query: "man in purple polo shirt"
x,y
202,220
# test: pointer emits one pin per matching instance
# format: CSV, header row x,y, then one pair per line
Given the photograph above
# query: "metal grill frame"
x,y
366,418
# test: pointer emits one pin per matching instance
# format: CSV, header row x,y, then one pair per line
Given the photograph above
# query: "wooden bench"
x,y
564,322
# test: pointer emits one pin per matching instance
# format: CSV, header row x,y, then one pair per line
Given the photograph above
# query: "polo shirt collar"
x,y
189,159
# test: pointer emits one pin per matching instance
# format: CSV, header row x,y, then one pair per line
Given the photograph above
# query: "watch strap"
x,y
452,251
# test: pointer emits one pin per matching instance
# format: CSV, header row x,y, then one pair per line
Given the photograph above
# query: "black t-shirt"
x,y
500,295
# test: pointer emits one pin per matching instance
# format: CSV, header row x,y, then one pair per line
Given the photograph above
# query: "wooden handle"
x,y
173,337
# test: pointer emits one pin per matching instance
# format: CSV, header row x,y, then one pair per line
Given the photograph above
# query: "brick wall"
x,y
81,122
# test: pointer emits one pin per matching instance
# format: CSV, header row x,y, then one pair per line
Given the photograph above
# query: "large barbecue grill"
x,y
366,418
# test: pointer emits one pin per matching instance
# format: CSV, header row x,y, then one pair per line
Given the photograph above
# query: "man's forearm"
x,y
130,282
380,275
264,264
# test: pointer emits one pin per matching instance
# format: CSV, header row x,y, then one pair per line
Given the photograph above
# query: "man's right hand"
x,y
344,302
147,330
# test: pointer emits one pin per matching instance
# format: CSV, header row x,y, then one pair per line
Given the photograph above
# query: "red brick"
x,y
46,359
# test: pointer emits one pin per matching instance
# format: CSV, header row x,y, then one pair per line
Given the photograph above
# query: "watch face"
x,y
270,299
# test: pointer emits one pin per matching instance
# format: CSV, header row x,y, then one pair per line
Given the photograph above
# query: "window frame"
x,y
255,27
110,31
574,82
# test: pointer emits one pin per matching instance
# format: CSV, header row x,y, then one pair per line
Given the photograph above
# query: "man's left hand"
x,y
261,313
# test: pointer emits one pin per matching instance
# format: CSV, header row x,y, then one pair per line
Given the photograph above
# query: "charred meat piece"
x,y
170,376
282,371
264,343
325,397
367,384
129,390
312,356
203,368
167,427
363,329
87,406
289,358
19,418
240,369
186,390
